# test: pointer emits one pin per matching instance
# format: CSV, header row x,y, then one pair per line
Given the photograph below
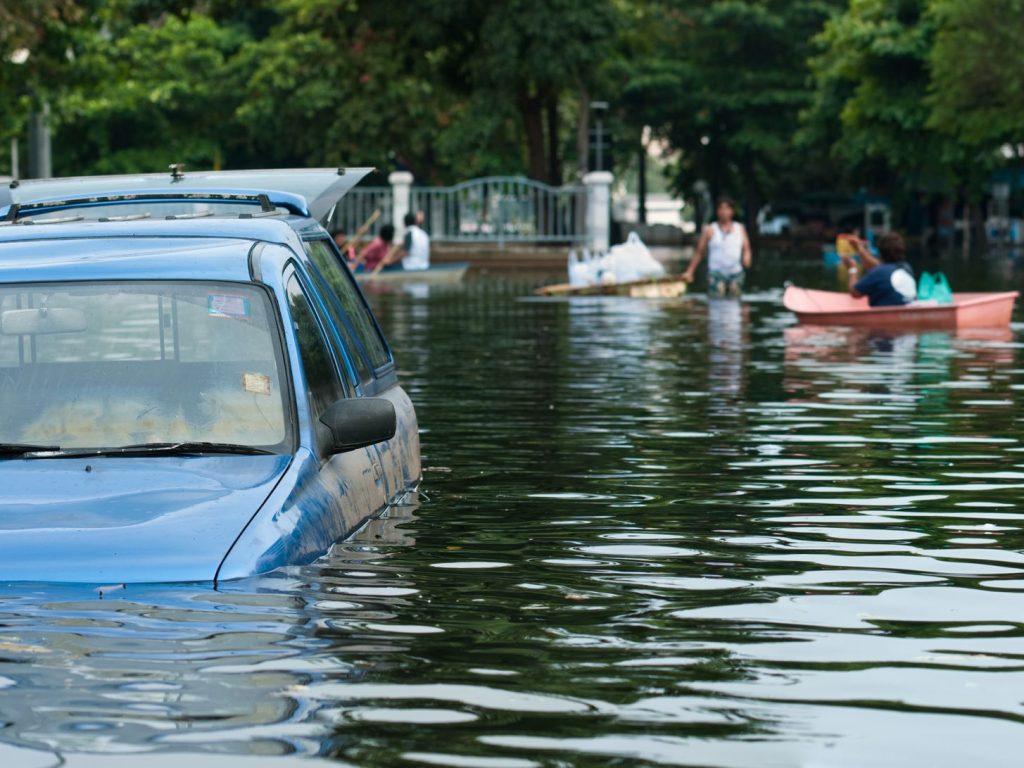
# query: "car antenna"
x,y
177,171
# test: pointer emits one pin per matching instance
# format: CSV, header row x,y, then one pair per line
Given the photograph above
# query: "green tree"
x,y
724,82
456,87
977,72
919,94
870,80
150,93
536,54
37,44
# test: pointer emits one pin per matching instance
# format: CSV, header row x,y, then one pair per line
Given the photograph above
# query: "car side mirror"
x,y
358,422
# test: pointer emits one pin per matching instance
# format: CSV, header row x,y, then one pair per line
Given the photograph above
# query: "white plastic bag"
x,y
624,263
579,270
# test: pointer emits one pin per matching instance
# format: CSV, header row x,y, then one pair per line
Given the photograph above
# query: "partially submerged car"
x,y
192,386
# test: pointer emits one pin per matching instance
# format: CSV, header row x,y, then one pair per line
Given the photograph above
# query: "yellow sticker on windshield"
x,y
256,383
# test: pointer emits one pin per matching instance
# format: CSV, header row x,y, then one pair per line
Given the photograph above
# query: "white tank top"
x,y
725,250
417,246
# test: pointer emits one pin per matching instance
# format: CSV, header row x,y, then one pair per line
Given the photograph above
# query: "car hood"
x,y
118,520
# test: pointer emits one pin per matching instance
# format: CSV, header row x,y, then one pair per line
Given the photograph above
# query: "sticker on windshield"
x,y
227,305
257,383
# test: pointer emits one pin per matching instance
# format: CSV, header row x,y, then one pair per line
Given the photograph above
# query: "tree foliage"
x,y
977,72
919,92
174,91
724,83
760,98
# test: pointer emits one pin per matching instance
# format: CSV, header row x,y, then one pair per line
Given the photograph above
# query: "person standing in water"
x,y
728,249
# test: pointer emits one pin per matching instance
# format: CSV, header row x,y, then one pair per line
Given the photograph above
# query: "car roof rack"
x,y
312,192
268,204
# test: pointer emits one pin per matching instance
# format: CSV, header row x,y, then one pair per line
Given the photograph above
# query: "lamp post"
x,y
598,108
40,165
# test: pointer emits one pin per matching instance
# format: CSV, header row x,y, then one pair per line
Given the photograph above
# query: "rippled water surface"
x,y
678,532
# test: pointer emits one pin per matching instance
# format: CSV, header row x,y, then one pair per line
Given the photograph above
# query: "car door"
x,y
372,362
350,486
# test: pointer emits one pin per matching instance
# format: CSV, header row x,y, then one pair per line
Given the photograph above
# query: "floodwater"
x,y
651,533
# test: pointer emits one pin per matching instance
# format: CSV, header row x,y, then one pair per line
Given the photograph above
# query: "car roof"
x,y
211,248
63,247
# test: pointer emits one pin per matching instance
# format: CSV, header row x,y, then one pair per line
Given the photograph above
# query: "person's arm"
x,y
395,254
852,273
852,280
867,259
748,253
698,255
361,257
399,250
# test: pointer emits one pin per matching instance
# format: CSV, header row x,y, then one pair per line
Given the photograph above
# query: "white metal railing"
x,y
502,209
355,208
493,209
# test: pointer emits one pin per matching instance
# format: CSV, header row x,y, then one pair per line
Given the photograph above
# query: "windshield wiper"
x,y
168,449
22,449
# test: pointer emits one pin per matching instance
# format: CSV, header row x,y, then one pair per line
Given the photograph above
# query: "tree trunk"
x,y
531,108
554,155
966,243
583,133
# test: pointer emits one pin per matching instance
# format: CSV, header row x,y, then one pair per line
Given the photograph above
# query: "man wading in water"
x,y
728,249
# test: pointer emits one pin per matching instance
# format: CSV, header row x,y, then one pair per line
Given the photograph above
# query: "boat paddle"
x,y
383,262
361,231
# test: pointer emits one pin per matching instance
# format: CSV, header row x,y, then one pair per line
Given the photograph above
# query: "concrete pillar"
x,y
599,210
401,187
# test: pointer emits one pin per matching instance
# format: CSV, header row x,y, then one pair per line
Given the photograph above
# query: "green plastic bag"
x,y
934,288
943,294
925,286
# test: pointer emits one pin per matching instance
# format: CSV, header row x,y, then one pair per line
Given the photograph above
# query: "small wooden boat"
x,y
968,310
439,274
652,288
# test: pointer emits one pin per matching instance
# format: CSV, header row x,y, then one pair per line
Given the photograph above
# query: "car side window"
x,y
322,383
344,287
362,367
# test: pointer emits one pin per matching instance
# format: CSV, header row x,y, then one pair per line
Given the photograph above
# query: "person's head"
x,y
891,247
725,210
420,218
410,219
387,232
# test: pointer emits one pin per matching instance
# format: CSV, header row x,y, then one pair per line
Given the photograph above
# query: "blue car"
x,y
192,386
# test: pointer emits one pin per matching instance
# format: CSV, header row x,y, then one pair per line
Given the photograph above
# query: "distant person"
x,y
728,248
348,249
414,252
888,282
377,251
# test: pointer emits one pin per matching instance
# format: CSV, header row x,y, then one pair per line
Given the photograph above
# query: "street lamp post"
x,y
598,108
40,163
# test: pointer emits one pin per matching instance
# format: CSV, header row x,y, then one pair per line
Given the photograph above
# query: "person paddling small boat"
x,y
887,281
374,253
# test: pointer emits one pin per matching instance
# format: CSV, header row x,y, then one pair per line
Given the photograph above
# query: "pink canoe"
x,y
968,310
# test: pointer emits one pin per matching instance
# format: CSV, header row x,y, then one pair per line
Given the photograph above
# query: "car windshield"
x,y
113,364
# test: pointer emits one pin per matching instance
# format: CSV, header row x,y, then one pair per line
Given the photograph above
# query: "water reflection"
x,y
727,346
678,532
